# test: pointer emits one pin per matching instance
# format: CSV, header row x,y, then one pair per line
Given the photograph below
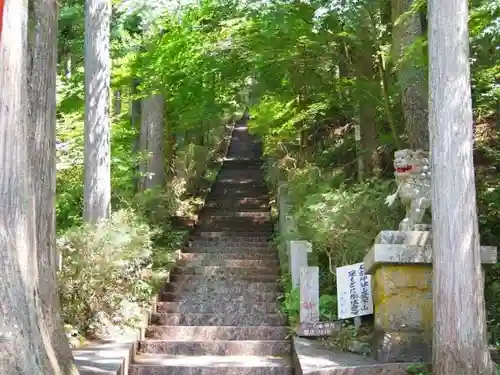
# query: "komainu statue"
x,y
413,178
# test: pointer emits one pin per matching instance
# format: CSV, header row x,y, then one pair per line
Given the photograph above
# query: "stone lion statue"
x,y
412,175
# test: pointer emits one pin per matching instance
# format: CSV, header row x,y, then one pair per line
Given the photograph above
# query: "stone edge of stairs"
x,y
119,353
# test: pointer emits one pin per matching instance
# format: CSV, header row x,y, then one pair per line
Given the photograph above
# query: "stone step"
x,y
254,175
222,333
216,308
248,202
246,254
234,197
216,347
224,277
247,205
201,285
231,195
232,211
239,183
225,225
199,298
230,262
233,192
258,230
231,241
243,180
258,218
236,237
226,271
242,221
221,319
210,365
232,159
217,215
232,249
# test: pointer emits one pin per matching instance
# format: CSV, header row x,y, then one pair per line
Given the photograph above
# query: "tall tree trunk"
x,y
117,102
169,152
368,94
459,345
135,123
412,75
152,139
42,138
97,160
22,333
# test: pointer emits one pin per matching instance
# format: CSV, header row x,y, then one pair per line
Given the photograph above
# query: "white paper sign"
x,y
354,292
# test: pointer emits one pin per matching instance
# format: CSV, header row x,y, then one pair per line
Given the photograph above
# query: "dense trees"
x,y
308,71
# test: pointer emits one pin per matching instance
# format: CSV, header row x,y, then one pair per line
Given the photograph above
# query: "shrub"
x,y
101,280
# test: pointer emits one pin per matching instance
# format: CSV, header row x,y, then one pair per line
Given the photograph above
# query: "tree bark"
x,y
459,344
97,159
135,123
42,138
117,102
22,333
412,77
152,139
367,95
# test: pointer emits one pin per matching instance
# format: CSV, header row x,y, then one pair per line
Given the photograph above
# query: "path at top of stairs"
x,y
219,314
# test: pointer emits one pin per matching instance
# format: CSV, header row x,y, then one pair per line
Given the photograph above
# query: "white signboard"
x,y
354,291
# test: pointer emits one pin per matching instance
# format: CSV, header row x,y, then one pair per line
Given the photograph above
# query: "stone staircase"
x,y
219,315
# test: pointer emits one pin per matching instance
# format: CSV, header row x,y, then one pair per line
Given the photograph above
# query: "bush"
x,y
102,279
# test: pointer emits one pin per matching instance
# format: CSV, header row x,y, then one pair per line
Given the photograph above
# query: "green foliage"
x,y
418,369
290,306
344,220
295,64
103,270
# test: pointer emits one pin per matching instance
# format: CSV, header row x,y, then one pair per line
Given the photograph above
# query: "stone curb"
x,y
311,358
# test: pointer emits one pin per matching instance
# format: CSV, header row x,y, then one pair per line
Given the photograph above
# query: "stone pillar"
x,y
400,263
298,259
309,294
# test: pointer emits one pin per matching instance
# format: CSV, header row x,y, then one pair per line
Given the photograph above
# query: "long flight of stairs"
x,y
219,315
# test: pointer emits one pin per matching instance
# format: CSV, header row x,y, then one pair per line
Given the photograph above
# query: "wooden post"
x,y
361,167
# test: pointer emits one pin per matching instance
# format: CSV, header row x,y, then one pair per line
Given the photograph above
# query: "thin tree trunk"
x,y
97,172
152,138
21,343
412,76
459,344
42,138
135,123
367,94
117,102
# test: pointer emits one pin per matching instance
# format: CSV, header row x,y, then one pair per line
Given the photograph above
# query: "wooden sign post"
x,y
354,292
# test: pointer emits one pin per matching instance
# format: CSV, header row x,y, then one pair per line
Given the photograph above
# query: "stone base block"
x,y
403,297
403,313
401,267
390,347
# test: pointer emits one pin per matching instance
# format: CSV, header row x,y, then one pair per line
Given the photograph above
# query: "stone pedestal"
x,y
298,259
401,267
309,294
